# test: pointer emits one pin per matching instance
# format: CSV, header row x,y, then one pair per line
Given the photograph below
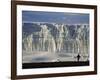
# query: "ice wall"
x,y
53,37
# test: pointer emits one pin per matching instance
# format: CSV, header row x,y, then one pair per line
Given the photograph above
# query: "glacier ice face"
x,y
55,38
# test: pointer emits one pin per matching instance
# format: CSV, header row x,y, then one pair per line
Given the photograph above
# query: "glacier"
x,y
50,42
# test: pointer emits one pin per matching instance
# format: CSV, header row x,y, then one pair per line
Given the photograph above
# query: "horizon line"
x,y
55,22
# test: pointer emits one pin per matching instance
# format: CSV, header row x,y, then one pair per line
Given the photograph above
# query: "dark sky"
x,y
55,17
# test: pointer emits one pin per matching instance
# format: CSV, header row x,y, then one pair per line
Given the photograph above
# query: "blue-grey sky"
x,y
55,17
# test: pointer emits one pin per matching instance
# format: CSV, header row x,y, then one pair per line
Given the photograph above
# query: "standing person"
x,y
78,57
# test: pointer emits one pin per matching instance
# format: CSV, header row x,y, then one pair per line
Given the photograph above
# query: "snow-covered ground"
x,y
29,57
